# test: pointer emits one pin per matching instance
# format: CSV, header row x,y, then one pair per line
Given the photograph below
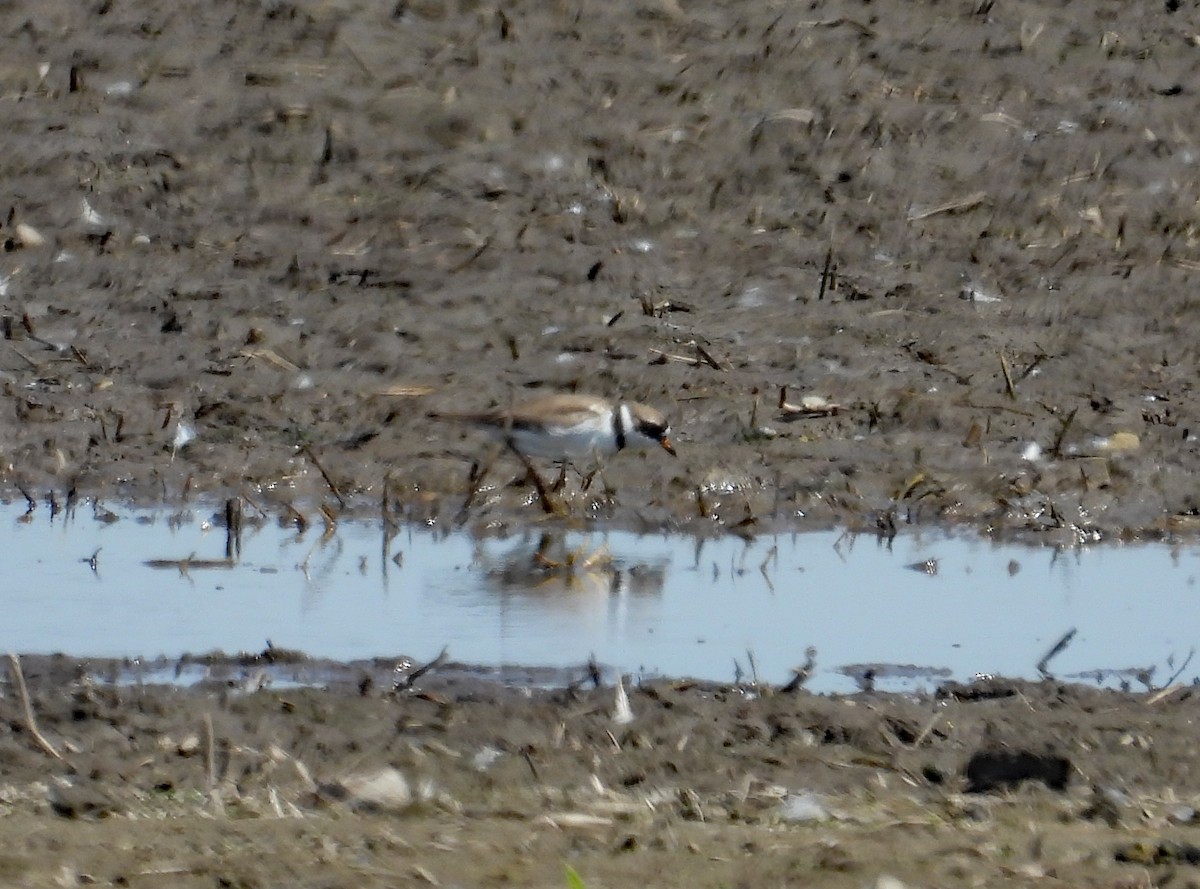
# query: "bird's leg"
x,y
598,470
549,505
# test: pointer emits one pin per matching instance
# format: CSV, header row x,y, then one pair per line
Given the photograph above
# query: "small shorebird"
x,y
570,427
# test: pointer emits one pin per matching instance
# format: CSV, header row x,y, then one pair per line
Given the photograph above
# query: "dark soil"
x,y
465,783
291,230
970,228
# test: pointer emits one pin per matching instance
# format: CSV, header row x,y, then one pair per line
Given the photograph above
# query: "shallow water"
x,y
654,605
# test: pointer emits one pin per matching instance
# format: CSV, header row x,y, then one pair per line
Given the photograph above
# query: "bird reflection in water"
x,y
553,564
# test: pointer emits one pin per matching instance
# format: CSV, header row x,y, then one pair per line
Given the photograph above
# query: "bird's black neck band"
x,y
619,427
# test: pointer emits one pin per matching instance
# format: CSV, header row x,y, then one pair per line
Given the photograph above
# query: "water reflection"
x,y
110,581
565,569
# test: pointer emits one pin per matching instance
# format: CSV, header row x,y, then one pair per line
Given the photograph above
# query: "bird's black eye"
x,y
656,431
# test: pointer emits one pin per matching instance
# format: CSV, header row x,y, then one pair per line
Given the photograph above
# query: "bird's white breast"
x,y
566,442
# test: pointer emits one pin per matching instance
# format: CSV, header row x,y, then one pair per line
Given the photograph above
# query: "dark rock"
x,y
990,770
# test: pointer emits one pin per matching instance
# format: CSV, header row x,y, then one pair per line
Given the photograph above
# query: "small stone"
x,y
990,770
383,790
803,807
189,746
87,800
29,236
1120,441
1181,814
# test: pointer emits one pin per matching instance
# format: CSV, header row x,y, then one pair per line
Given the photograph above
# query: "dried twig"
x,y
389,522
27,708
1163,693
702,356
475,254
297,518
663,357
803,673
270,357
32,364
753,668
29,501
307,451
826,274
927,730
809,406
965,203
1056,448
474,481
186,565
330,518
210,752
1008,381
400,390
842,22
1058,648
999,407
1032,366
1174,676
233,528
707,358
549,505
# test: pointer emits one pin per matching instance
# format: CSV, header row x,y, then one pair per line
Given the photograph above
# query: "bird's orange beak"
x,y
668,447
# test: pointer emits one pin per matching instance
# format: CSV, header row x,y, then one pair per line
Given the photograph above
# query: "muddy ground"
x,y
465,783
249,245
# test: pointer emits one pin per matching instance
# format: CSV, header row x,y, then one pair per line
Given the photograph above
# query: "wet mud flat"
x,y
249,246
453,781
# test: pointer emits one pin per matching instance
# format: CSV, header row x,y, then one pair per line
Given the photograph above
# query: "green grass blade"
x,y
574,881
